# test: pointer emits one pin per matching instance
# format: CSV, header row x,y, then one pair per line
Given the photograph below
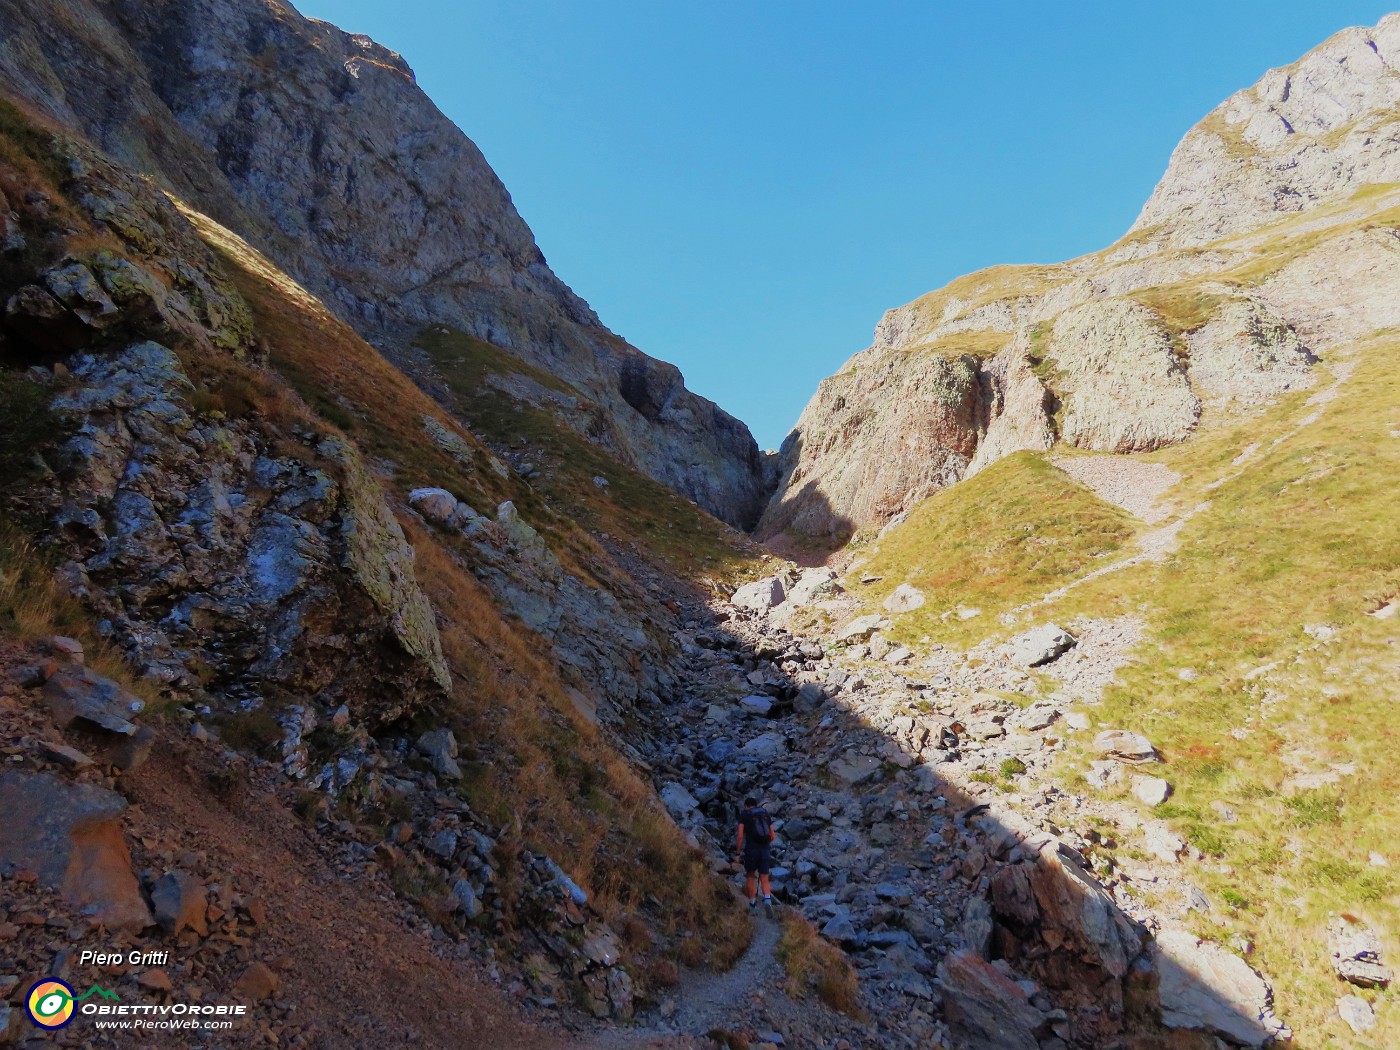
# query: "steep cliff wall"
x,y
319,147
1189,316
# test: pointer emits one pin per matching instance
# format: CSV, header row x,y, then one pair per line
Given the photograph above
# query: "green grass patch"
x,y
1010,534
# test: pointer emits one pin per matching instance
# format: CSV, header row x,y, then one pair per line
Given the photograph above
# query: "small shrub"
x,y
28,426
256,731
1234,898
813,963
1012,767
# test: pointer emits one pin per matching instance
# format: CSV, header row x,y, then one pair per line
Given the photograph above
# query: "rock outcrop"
x,y
1137,346
319,147
1323,126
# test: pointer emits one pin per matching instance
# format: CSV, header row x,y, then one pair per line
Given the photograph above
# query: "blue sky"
x,y
742,188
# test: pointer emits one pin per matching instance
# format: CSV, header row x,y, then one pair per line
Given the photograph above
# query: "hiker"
x,y
755,849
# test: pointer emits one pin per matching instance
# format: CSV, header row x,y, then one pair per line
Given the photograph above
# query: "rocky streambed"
x,y
918,827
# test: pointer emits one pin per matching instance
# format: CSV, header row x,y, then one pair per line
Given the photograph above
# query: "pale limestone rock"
x,y
1125,391
905,598
1246,354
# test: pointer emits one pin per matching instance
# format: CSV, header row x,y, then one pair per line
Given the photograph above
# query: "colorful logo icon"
x,y
50,1004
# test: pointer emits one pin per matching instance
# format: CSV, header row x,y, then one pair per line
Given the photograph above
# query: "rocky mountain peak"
x,y
1305,132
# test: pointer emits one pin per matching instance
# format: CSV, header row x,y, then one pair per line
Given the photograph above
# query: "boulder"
x,y
757,704
465,900
765,747
78,694
181,903
1151,791
71,835
679,802
133,751
1203,986
854,769
75,287
439,746
859,629
258,982
602,948
1041,645
986,1007
761,595
1057,899
1125,746
1357,1013
1356,953
904,598
35,316
812,586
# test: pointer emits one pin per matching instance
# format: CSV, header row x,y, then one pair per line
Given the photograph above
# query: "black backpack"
x,y
762,824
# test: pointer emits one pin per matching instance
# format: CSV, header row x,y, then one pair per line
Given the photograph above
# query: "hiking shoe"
x,y
768,901
753,903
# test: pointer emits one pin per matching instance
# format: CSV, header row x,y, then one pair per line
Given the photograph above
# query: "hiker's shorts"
x,y
758,860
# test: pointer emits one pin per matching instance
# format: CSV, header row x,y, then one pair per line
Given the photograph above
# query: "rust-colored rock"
x,y
70,835
257,983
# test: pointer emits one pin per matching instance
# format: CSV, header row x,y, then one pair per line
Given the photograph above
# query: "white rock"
x,y
1151,791
861,628
905,598
1357,1013
1164,845
1040,645
761,595
812,586
1077,720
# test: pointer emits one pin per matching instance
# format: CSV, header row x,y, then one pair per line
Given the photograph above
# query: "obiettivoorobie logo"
x,y
50,1002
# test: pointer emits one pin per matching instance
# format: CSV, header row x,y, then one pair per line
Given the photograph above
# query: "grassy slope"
x,y
1306,533
1003,537
666,527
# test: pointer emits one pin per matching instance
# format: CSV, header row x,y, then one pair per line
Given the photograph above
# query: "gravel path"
x,y
1128,483
749,996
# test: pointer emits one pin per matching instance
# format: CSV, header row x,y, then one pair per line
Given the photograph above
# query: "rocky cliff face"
x,y
320,148
1201,309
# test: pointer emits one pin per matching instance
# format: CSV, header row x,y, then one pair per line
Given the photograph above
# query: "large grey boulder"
x,y
679,802
439,746
985,1006
761,595
1356,952
1203,986
812,586
1041,645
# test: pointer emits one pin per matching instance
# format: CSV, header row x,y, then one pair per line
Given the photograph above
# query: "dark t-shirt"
x,y
752,839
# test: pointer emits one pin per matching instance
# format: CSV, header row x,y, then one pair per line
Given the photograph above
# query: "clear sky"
x,y
742,187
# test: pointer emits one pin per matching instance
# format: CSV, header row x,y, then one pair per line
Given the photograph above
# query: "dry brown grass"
x,y
815,964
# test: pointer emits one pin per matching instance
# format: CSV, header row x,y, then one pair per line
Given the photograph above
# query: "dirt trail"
x,y
748,996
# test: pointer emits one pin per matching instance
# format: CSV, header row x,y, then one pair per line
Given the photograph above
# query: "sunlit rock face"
x,y
320,148
1207,306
